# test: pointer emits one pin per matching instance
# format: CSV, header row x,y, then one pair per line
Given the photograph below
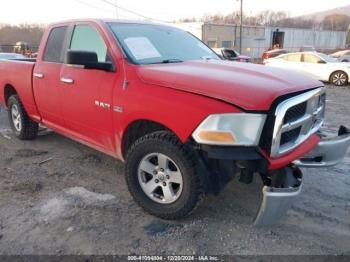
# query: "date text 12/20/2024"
x,y
173,258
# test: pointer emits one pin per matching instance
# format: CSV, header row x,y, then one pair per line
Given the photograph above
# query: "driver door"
x,y
84,91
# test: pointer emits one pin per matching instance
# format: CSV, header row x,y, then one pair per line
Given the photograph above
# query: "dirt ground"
x,y
60,197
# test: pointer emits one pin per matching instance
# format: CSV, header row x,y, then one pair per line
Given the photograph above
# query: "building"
x,y
257,39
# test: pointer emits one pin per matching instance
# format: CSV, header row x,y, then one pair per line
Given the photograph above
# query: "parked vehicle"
x,y
184,121
273,53
231,55
316,65
11,56
21,47
307,48
342,56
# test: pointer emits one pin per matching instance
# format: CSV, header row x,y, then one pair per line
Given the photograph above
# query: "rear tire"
x,y
144,168
339,78
23,127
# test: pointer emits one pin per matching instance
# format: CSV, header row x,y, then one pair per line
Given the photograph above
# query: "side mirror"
x,y
321,62
87,60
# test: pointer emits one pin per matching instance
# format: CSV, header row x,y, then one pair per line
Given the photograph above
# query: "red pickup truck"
x,y
184,121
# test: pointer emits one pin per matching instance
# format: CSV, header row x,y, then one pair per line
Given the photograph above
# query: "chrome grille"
x,y
295,112
297,118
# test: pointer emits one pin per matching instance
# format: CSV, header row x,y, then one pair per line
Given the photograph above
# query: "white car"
x,y
342,56
317,65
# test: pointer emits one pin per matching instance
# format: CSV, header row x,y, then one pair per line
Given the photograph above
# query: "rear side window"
x,y
311,59
87,38
294,58
55,45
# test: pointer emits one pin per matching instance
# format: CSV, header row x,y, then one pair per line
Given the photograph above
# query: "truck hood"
x,y
248,86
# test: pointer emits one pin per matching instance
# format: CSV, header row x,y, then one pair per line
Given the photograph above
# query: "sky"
x,y
46,11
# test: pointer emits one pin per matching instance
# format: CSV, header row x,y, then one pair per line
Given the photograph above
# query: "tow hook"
x,y
281,189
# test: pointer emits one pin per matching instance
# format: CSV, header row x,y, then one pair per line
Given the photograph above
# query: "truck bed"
x,y
18,75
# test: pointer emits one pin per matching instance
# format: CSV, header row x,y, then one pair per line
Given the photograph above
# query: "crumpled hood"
x,y
249,86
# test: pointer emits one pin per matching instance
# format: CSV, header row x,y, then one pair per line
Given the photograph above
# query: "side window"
x,y
229,53
55,45
294,58
311,59
87,38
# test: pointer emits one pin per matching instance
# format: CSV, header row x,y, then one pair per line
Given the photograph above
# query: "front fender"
x,y
178,111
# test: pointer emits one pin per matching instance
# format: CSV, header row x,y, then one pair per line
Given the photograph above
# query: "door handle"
x,y
67,80
38,75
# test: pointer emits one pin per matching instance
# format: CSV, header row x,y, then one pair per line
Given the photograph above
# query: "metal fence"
x,y
8,48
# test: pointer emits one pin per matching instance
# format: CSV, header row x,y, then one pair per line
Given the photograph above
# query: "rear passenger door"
x,y
88,93
46,78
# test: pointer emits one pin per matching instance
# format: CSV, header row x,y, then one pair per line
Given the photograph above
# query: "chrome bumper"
x,y
286,183
329,152
278,197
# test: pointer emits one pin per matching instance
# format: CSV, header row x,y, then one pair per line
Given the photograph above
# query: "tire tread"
x,y
170,139
29,127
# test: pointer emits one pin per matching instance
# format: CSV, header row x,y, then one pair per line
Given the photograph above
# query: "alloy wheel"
x,y
160,178
339,79
16,118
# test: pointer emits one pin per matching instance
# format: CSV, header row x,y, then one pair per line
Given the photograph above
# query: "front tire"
x,y
161,174
23,127
339,78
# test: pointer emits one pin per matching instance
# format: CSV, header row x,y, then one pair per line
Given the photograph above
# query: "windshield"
x,y
327,58
150,44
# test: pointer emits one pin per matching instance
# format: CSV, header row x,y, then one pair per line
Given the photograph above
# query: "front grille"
x,y
290,136
295,112
296,119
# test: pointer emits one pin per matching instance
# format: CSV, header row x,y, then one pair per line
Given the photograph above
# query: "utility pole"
x,y
241,28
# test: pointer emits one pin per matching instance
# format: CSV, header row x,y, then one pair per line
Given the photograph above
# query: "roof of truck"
x,y
111,20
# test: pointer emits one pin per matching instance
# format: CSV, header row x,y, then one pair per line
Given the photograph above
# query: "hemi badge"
x,y
118,109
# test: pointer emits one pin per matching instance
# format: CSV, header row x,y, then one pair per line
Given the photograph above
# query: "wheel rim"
x,y
339,79
16,118
160,178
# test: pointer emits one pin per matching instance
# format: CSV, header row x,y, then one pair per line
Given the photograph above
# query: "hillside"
x,y
319,16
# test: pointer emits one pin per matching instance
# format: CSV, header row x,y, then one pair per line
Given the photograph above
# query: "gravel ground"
x,y
60,197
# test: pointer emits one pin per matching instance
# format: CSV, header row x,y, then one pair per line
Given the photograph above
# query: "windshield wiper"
x,y
168,61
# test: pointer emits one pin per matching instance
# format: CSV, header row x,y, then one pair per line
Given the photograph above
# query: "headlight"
x,y
230,129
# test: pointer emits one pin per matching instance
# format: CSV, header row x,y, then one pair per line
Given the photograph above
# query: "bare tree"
x,y
281,19
30,33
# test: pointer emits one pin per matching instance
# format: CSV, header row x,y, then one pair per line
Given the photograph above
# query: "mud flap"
x,y
279,196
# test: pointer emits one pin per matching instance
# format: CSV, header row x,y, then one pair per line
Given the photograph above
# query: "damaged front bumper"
x,y
285,186
278,196
283,183
329,152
